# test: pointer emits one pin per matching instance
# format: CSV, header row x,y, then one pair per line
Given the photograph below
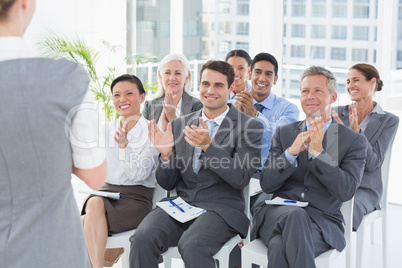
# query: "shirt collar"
x,y
326,125
217,119
377,109
13,47
268,102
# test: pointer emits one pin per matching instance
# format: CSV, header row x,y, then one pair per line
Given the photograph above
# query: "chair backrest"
x,y
159,193
347,212
384,176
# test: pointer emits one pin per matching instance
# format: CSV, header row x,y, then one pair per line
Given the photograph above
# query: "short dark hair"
x,y
129,78
263,56
369,71
4,8
239,53
220,66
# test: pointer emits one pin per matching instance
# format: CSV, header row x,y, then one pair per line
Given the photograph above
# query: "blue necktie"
x,y
211,126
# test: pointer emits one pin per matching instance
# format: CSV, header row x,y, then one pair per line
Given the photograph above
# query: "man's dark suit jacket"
x,y
227,166
325,182
153,108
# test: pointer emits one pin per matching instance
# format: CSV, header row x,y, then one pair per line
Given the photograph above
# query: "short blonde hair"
x,y
186,66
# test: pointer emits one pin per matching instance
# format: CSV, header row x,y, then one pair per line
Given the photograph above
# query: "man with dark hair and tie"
x,y
208,156
272,111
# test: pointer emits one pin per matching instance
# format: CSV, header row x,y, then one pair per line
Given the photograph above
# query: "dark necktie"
x,y
259,107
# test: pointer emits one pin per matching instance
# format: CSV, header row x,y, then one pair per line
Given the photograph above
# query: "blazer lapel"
x,y
186,103
158,110
228,123
375,125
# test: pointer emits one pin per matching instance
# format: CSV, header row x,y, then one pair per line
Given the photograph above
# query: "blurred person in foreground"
x,y
48,132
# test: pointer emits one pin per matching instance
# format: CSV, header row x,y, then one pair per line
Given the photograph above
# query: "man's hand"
x,y
300,144
336,117
246,101
198,137
162,142
316,135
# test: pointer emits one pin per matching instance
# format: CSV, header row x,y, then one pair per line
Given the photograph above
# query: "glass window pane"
x,y
298,51
242,28
338,53
359,54
361,11
360,33
318,10
339,11
153,29
317,52
318,31
298,30
339,32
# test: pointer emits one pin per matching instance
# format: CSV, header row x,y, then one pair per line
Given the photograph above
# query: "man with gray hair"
x,y
307,163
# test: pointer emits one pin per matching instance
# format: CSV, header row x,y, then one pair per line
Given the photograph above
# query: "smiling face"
x,y
173,77
240,66
359,87
214,92
316,97
262,79
127,99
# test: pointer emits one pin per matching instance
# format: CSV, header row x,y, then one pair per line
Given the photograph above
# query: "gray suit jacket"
x,y
380,133
153,108
228,165
39,221
325,182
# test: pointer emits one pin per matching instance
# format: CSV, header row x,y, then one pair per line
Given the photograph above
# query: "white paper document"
x,y
286,202
102,193
179,210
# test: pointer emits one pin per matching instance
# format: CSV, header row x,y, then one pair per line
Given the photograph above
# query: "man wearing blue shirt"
x,y
272,111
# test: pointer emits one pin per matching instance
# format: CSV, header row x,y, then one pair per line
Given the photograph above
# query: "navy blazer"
x,y
227,166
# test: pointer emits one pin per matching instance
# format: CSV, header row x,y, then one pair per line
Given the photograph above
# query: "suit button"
x,y
306,189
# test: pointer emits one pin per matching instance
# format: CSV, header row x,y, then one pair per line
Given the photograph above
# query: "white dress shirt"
x,y
135,164
83,130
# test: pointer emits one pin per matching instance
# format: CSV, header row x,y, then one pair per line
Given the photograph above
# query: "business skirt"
x,y
127,212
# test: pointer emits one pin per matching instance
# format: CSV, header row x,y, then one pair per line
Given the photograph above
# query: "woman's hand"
x,y
169,106
162,142
121,136
354,118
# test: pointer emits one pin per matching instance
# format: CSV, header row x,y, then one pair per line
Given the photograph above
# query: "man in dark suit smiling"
x,y
209,157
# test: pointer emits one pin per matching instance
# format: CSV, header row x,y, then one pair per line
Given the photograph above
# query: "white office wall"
x,y
92,20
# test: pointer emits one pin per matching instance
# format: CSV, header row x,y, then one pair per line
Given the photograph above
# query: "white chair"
x,y
372,217
255,252
222,256
121,240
